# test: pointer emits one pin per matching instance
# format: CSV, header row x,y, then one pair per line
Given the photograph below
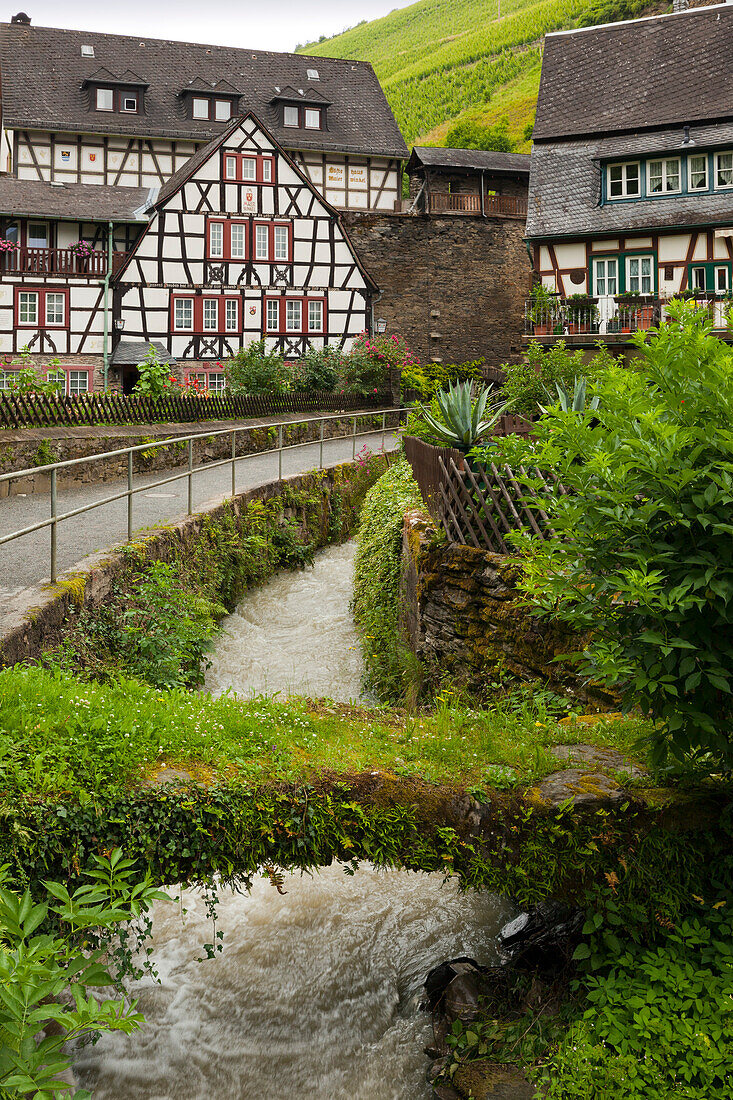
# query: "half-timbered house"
x,y
112,166
239,246
631,181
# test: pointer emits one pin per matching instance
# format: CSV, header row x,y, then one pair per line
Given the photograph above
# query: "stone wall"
x,y
452,284
462,612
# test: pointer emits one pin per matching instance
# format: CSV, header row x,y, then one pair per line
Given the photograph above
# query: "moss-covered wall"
x,y
464,615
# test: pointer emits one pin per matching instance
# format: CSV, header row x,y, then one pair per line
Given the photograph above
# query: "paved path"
x,y
24,563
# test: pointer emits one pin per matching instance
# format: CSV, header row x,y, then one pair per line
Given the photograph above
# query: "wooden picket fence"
x,y
478,505
29,410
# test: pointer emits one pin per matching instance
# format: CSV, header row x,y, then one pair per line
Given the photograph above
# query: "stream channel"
x,y
316,994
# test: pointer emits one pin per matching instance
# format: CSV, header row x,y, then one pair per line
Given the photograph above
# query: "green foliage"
x,y
155,375
28,378
368,366
153,627
469,134
442,60
44,455
254,369
643,555
49,968
377,579
319,370
428,378
529,381
659,1020
462,423
575,400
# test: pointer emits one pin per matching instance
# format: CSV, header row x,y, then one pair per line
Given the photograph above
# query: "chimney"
x,y
21,17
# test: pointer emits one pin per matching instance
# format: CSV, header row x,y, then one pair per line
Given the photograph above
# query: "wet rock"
x,y
543,939
485,1080
441,976
585,788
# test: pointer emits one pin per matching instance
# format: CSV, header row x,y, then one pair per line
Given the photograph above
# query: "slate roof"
x,y
565,186
129,353
86,202
43,72
430,156
639,74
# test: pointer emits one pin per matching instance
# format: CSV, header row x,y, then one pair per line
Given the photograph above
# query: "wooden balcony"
x,y
457,202
57,261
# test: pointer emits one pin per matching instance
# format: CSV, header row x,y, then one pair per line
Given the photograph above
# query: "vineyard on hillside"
x,y
439,60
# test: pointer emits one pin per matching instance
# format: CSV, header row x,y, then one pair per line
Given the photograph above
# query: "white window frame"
x,y
624,166
288,113
249,169
78,381
694,285
606,277
198,104
281,243
725,271
315,304
690,185
185,314
216,247
46,234
222,105
665,162
217,383
266,170
293,311
210,315
230,168
723,186
238,230
313,112
129,97
272,319
108,95
62,322
6,379
231,315
31,296
262,237
59,377
640,288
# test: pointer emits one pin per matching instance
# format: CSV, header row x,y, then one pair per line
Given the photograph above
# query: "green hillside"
x,y
439,60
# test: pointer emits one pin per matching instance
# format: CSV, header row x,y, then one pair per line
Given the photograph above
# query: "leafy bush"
x,y
531,382
50,963
469,134
155,375
319,370
255,370
161,632
368,366
659,1021
428,378
377,580
643,554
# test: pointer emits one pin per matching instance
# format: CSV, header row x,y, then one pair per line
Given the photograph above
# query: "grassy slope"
x,y
443,59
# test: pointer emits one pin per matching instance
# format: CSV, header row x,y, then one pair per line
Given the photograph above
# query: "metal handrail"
x,y
53,467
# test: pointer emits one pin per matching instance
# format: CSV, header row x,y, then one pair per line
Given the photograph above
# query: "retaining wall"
x,y
463,614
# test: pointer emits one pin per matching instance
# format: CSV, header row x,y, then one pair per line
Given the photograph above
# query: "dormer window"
x,y
211,108
105,99
623,180
308,118
128,102
108,92
301,109
312,118
291,116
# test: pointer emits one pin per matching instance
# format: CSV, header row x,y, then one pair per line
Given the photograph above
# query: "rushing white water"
x,y
315,995
294,635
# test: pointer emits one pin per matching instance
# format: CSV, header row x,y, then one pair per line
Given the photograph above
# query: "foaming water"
x,y
294,635
315,995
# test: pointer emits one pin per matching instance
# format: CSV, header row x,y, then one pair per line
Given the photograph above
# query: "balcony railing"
x,y
444,202
608,317
57,261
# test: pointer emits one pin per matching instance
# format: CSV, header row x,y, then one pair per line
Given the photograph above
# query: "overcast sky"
x,y
262,25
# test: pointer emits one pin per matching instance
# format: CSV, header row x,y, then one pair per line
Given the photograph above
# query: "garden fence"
x,y
478,505
33,410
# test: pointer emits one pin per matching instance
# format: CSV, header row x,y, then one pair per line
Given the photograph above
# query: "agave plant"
x,y
575,402
467,420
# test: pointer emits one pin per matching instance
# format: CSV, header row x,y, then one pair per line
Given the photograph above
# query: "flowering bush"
x,y
372,359
255,370
82,248
8,246
28,378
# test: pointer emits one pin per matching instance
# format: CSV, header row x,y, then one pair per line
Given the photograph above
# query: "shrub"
x,y
532,382
319,370
255,370
155,375
428,378
469,134
368,367
377,580
643,555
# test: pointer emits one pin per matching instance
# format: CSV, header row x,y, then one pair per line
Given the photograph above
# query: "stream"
x,y
316,994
